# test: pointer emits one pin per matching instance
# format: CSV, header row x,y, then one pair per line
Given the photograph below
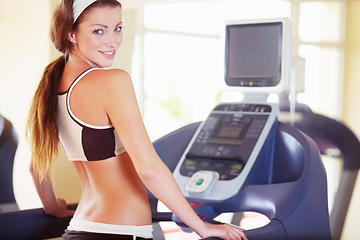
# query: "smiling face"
x,y
99,36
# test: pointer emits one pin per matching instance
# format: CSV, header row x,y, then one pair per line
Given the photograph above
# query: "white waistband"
x,y
96,227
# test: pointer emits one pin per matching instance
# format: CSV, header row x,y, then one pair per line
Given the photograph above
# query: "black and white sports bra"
x,y
83,141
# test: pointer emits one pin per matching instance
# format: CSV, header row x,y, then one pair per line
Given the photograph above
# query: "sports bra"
x,y
83,141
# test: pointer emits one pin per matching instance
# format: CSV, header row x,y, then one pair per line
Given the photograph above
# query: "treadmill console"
x,y
223,150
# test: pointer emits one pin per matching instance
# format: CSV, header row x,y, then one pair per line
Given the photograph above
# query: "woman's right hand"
x,y
61,210
224,231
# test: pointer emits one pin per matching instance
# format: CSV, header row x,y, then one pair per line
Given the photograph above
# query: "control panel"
x,y
223,150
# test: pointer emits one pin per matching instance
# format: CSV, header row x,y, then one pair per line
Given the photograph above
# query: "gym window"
x,y
179,48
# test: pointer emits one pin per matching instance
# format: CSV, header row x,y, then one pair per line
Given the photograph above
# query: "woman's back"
x,y
108,186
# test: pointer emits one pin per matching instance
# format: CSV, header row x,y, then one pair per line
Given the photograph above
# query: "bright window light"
x,y
322,74
184,57
320,21
208,18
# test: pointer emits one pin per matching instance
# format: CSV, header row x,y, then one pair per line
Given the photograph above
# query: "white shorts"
x,y
145,231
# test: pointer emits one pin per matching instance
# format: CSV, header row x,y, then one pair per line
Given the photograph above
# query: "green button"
x,y
199,181
237,166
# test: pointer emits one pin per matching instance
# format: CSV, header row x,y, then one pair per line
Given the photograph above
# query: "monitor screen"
x,y
228,136
256,54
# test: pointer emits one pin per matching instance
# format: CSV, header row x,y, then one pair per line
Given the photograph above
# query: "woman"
x,y
94,113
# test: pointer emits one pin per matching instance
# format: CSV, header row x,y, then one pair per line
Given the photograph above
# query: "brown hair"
x,y
42,128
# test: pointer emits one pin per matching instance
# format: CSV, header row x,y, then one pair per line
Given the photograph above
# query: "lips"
x,y
108,54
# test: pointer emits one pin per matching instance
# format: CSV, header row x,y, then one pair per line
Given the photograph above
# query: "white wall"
x,y
24,52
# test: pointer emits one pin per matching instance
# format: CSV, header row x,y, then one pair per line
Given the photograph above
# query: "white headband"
x,y
79,6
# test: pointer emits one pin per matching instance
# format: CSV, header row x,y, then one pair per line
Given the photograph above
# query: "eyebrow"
x,y
98,24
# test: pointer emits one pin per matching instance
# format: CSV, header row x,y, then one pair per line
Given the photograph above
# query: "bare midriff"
x,y
112,192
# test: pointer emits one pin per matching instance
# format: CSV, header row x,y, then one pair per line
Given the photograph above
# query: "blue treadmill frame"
x,y
329,133
287,184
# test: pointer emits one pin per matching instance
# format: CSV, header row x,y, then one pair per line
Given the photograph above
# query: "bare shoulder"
x,y
109,75
109,79
113,85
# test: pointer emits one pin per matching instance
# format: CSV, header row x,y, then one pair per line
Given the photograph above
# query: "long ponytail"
x,y
42,126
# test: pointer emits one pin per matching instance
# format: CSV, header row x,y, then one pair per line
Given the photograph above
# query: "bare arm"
x,y
122,109
52,205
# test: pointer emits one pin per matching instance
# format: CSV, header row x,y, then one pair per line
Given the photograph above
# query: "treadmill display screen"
x,y
228,136
254,54
226,140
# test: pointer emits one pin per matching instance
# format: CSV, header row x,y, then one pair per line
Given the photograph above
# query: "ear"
x,y
71,37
